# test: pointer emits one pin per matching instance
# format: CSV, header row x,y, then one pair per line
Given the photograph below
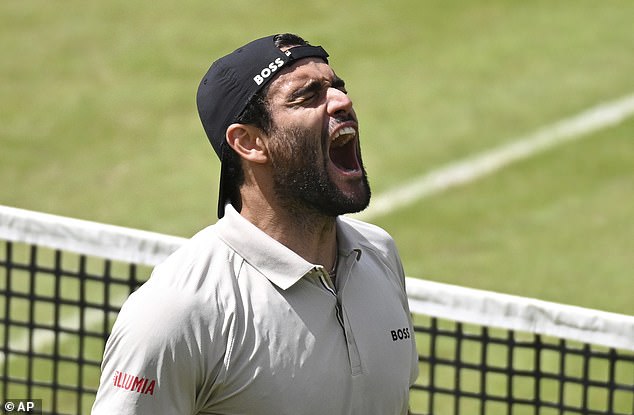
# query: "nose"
x,y
338,102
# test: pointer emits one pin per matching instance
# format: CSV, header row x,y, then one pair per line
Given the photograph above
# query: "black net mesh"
x,y
471,369
57,308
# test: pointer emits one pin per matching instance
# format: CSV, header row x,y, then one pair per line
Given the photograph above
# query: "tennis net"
x,y
63,280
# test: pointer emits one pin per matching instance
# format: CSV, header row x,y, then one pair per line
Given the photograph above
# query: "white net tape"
x,y
85,237
446,301
530,315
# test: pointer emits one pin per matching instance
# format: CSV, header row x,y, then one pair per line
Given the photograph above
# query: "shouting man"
x,y
283,306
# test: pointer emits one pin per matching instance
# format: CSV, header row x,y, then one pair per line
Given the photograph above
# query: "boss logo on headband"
x,y
268,71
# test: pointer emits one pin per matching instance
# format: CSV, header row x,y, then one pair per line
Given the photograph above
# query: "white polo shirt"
x,y
236,323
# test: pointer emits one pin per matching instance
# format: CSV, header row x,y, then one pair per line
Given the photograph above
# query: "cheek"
x,y
296,145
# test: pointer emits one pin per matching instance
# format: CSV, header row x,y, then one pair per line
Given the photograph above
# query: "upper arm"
x,y
155,361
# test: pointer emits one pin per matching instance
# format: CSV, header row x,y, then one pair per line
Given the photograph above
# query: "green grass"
x,y
98,121
555,227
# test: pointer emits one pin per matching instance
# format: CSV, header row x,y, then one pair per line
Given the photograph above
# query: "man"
x,y
283,306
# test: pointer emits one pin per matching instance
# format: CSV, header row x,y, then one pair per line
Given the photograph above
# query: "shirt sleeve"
x,y
154,361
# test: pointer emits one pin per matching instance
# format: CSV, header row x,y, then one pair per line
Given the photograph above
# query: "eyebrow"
x,y
338,82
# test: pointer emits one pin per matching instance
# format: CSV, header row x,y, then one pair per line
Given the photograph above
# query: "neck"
x,y
308,234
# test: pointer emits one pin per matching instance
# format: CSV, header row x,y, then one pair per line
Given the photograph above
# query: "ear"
x,y
246,140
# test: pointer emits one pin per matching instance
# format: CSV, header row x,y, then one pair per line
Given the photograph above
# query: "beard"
x,y
301,179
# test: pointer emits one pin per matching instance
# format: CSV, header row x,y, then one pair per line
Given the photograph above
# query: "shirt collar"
x,y
280,265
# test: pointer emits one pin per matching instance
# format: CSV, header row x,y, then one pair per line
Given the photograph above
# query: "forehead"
x,y
302,72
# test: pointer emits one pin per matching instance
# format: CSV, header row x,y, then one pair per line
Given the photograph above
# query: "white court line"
x,y
480,165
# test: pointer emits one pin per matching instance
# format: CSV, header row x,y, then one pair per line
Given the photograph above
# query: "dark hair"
x,y
256,113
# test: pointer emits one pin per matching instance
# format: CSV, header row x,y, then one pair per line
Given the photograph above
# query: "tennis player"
x,y
283,306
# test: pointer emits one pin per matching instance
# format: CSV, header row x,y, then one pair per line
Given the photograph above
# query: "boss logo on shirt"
x,y
400,334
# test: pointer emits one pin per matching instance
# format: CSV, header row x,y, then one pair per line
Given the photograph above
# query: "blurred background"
x,y
98,121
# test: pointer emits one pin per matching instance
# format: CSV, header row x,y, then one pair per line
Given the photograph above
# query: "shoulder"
x,y
377,245
366,234
189,290
201,266
202,248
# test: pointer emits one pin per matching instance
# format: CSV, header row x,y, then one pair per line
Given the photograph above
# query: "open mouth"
x,y
343,150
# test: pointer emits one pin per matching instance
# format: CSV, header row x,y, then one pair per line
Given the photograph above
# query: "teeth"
x,y
344,131
347,133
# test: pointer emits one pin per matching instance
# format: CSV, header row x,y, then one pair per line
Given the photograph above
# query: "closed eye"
x,y
314,88
307,91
